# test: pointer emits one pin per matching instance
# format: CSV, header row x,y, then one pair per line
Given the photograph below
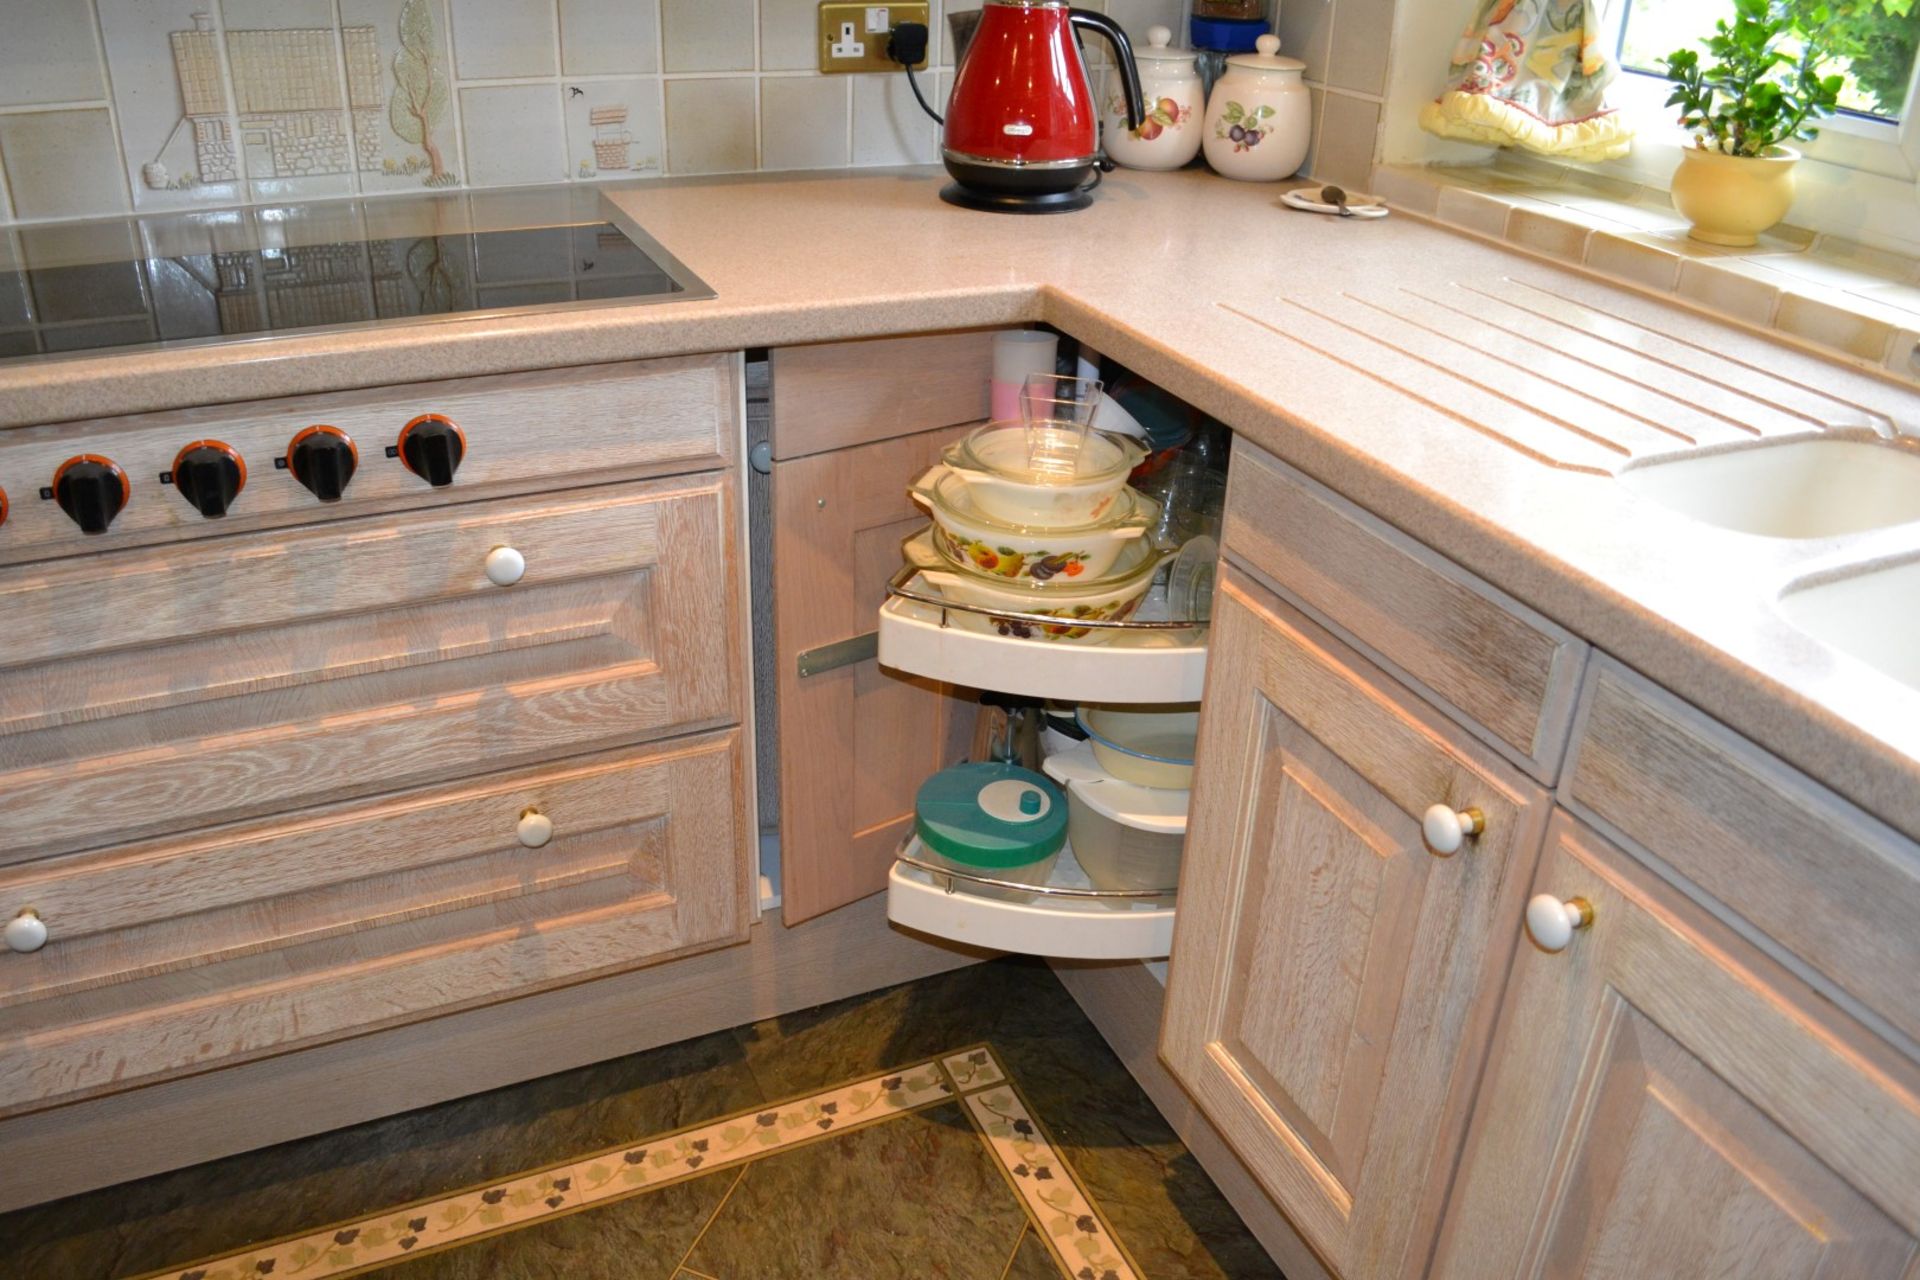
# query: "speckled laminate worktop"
x,y
1394,360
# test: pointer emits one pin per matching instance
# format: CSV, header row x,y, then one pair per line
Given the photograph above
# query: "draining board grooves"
x,y
1566,383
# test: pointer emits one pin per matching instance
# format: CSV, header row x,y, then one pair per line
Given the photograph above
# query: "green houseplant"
x,y
1762,89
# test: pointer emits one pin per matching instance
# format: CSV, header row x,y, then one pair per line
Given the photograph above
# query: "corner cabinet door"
x,y
856,740
1663,1100
1333,982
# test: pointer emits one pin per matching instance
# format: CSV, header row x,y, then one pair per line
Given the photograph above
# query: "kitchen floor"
x,y
971,1126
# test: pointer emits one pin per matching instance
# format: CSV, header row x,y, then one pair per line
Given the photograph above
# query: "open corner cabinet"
x,y
878,690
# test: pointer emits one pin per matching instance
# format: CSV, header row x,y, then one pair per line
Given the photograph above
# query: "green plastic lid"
x,y
991,815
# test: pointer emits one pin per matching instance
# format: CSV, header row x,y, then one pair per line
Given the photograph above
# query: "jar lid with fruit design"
x,y
1268,58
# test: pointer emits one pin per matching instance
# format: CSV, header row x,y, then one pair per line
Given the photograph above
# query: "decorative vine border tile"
x,y
613,1174
1077,1233
1080,1238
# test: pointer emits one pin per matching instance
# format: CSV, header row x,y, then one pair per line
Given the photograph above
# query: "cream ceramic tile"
x,y
710,126
1407,187
179,141
707,35
428,154
1724,287
888,125
284,68
1832,322
613,128
513,134
609,37
974,1068
1349,128
1135,16
62,163
1072,1226
1546,231
803,122
498,39
1305,28
50,54
1628,258
1357,57
1474,210
789,35
1807,267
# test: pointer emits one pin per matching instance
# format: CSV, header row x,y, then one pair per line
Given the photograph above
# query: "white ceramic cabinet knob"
x,y
26,931
1551,923
1446,829
505,566
534,828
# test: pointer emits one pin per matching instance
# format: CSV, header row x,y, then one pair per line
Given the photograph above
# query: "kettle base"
x,y
1016,201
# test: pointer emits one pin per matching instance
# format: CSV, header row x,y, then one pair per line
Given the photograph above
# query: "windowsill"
x,y
1857,303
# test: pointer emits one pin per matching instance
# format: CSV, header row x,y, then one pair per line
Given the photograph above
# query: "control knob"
x,y
92,490
323,459
210,475
431,447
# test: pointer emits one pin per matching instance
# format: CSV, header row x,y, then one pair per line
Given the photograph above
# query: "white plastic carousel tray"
x,y
1069,928
1131,666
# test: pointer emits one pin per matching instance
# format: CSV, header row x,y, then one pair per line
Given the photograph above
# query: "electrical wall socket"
x,y
853,37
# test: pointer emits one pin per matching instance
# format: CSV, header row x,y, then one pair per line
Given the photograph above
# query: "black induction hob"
x,y
269,271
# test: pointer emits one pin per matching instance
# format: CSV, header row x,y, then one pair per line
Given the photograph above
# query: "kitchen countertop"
x,y
1390,359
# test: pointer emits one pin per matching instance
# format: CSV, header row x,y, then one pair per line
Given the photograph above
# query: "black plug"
x,y
908,47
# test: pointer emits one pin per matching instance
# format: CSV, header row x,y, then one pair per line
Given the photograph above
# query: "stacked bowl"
x,y
1036,518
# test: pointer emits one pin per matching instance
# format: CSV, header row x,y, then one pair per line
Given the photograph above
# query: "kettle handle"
x,y
1100,24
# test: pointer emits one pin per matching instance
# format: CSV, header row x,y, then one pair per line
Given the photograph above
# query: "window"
x,y
1878,128
1883,35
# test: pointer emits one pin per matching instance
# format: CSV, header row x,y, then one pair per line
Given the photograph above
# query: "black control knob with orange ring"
x,y
209,474
91,489
323,459
431,447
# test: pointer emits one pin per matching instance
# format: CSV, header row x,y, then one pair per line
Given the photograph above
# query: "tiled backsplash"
x,y
108,106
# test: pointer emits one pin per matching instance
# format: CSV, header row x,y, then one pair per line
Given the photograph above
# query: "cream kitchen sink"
x,y
1815,488
1873,615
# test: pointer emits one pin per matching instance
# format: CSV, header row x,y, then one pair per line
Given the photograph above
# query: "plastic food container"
x,y
996,462
996,820
1125,837
997,549
1112,598
1148,746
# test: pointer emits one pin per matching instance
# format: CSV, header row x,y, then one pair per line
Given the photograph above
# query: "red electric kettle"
x,y
1022,133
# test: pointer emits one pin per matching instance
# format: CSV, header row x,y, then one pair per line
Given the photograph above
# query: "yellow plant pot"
x,y
1731,199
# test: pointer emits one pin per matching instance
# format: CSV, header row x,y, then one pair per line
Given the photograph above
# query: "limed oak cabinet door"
x,y
1663,1100
1333,978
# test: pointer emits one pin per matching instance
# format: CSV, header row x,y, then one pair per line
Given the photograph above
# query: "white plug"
x,y
848,45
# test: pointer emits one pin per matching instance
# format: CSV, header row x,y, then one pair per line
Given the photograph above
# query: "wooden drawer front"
x,y
201,950
524,430
839,394
1832,885
1333,982
1664,1101
167,689
1488,660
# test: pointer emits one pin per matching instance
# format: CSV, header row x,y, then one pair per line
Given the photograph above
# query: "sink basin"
x,y
1794,489
1875,616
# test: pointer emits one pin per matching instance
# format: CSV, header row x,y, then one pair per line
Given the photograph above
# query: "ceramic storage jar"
x,y
1259,117
1170,89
